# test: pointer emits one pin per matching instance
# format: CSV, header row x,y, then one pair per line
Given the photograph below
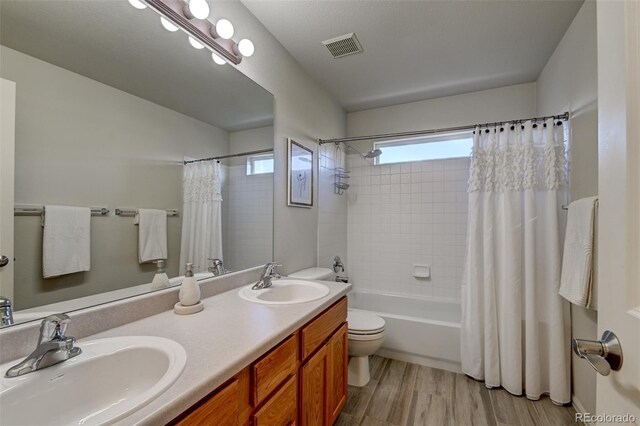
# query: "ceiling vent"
x,y
347,44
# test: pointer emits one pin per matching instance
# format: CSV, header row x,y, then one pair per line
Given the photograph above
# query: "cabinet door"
x,y
336,385
220,410
312,390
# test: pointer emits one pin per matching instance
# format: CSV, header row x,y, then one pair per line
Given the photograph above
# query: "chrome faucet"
x,y
217,267
53,347
6,313
268,273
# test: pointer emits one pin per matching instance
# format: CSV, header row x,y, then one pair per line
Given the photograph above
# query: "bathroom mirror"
x,y
108,107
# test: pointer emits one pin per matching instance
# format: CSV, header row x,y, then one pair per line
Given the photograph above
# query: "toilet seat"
x,y
364,324
366,337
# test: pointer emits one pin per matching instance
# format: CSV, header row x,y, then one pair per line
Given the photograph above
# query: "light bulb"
x,y
246,47
199,8
137,4
195,43
224,28
217,59
168,25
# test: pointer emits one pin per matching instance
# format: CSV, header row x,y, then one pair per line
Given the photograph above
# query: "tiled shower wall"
x,y
332,212
247,214
404,214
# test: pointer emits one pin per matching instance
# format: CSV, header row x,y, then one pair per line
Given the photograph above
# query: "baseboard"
x,y
577,405
421,360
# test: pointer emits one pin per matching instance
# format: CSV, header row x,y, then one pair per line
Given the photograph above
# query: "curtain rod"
x,y
240,154
564,116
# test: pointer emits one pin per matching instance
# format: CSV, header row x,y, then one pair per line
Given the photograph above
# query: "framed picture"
x,y
300,170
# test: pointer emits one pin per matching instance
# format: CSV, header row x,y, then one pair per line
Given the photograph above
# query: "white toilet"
x,y
366,335
319,274
366,331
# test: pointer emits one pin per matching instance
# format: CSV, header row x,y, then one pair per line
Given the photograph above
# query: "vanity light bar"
x,y
201,30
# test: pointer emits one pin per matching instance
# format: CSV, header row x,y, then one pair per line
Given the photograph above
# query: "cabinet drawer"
x,y
274,368
282,408
316,332
220,409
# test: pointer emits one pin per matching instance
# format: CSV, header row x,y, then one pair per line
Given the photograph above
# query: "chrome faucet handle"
x,y
269,268
53,327
268,273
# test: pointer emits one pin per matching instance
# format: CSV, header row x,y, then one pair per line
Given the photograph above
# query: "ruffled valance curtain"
x,y
202,218
514,324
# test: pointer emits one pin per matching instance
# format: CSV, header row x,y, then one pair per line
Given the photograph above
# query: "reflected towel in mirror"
x,y
152,235
66,240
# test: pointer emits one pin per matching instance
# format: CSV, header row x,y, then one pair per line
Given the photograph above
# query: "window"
x,y
438,147
259,164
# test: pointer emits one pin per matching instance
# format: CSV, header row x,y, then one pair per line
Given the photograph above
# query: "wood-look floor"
x,y
401,393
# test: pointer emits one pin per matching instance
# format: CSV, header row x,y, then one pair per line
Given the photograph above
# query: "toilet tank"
x,y
320,274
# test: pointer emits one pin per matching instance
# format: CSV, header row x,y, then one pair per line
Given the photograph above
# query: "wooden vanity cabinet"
x,y
337,374
303,380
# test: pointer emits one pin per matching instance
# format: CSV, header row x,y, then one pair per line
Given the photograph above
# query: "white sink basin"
x,y
285,292
110,379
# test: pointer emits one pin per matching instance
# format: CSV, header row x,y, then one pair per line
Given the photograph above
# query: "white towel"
x,y
66,240
577,283
152,235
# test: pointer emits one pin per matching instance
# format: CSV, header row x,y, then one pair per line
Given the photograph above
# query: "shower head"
x,y
371,154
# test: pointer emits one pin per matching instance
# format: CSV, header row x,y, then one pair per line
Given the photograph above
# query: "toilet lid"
x,y
313,274
364,322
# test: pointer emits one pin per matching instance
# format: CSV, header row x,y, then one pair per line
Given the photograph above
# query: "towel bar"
x,y
29,210
133,212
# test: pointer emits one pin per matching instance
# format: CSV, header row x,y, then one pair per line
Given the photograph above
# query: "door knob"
x,y
4,261
604,355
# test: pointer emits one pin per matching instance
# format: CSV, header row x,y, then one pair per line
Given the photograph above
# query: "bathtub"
x,y
420,330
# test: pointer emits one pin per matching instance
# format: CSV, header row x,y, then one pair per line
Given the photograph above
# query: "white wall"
x,y
416,213
249,140
569,82
303,111
503,103
80,142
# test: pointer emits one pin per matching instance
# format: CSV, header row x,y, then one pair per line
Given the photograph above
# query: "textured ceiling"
x,y
415,50
126,48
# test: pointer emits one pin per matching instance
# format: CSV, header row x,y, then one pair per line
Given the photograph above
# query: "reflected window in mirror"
x,y
260,164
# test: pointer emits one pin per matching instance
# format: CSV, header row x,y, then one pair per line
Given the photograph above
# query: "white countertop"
x,y
224,338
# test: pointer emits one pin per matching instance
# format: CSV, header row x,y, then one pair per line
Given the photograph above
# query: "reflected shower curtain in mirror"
x,y
202,218
514,324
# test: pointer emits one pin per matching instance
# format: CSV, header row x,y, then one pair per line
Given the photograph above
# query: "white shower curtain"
x,y
514,324
202,218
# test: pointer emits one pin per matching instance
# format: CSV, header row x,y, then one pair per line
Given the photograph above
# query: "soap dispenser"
x,y
189,295
160,279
